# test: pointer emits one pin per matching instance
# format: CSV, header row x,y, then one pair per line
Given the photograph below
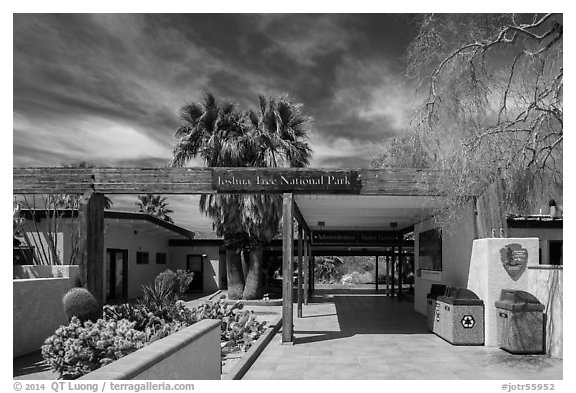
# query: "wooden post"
x,y
306,269
91,244
376,273
400,260
312,274
300,267
387,275
287,268
393,271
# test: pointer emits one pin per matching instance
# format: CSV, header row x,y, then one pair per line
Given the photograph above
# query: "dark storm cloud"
x,y
107,88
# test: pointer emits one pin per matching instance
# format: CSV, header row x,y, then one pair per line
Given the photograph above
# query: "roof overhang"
x,y
365,212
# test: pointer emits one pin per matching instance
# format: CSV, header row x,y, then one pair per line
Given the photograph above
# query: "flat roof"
x,y
119,215
366,212
534,221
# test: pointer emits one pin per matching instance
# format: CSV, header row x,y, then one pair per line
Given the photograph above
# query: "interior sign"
x,y
277,180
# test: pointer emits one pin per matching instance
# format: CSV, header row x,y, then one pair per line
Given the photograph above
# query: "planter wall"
x,y
490,273
37,311
190,354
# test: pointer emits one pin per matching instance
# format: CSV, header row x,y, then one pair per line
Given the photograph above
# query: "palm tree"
x,y
274,136
278,138
154,205
216,132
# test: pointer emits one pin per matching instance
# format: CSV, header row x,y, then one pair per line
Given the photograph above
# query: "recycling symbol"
x,y
468,321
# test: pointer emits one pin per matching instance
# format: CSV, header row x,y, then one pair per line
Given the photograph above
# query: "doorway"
x,y
116,274
195,264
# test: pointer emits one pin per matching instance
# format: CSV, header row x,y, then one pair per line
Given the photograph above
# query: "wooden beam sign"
x,y
407,182
250,180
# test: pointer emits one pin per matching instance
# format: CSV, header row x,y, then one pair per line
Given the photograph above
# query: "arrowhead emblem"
x,y
514,260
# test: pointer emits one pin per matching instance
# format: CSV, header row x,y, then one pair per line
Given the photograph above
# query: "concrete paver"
x,y
359,336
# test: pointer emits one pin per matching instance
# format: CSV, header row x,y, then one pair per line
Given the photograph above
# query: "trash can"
x,y
520,322
432,309
461,317
442,318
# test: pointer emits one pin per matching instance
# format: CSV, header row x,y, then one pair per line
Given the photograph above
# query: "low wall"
x,y
490,265
37,311
546,283
491,271
191,354
45,271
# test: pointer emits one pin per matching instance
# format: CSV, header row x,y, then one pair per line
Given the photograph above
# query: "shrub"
x,y
82,347
329,270
358,278
80,303
79,348
166,286
239,328
159,295
144,318
184,278
141,316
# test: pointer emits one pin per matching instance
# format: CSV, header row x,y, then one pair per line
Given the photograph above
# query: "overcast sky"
x,y
107,88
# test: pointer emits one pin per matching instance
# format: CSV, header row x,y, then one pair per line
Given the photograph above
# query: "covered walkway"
x,y
362,335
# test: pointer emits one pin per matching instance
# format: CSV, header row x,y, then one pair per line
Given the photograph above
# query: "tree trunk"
x,y
245,264
234,274
253,287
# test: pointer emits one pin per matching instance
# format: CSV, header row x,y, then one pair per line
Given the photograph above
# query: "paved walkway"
x,y
366,336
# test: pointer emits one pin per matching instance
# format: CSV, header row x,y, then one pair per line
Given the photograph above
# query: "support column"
x,y
387,260
306,269
91,244
376,274
393,271
400,259
312,274
287,267
300,267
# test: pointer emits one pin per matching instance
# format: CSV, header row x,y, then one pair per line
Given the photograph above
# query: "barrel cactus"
x,y
80,303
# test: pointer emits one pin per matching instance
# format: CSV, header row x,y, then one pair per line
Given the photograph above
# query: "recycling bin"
x,y
441,317
461,317
432,309
520,322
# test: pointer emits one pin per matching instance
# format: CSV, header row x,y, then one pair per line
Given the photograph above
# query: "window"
x,y
555,252
160,258
430,249
142,258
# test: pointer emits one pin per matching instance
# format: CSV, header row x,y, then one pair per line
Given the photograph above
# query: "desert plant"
x,y
169,279
358,278
239,327
184,279
157,296
155,324
80,303
80,348
329,270
162,292
137,313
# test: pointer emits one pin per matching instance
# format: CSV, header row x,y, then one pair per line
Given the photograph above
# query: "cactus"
x,y
80,303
